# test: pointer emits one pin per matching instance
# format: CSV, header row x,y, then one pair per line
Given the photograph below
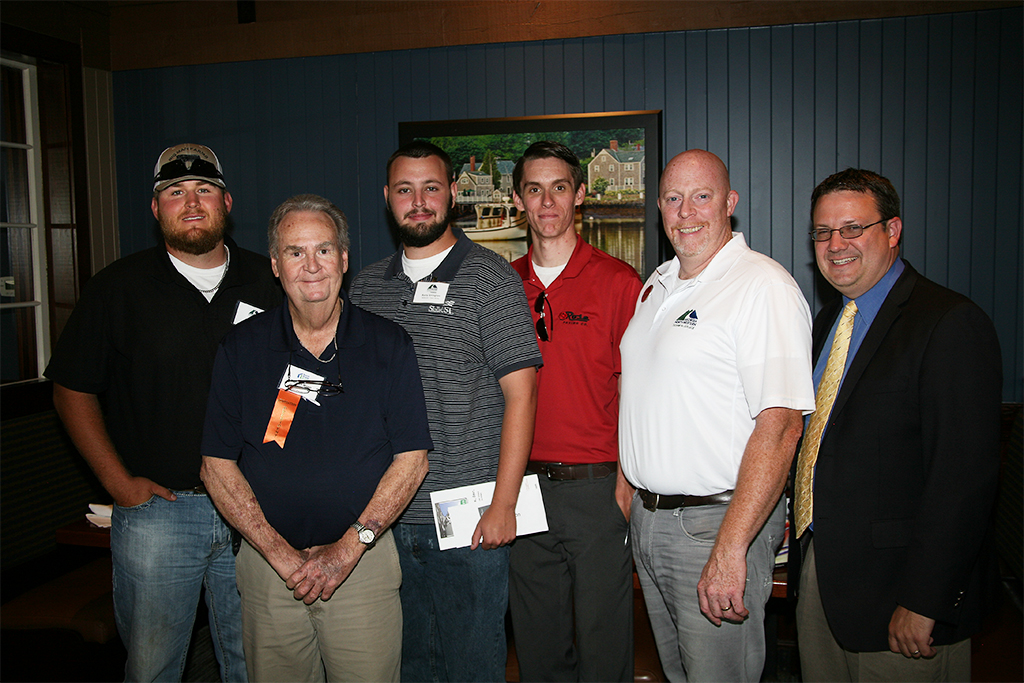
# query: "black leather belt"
x,y
656,501
561,472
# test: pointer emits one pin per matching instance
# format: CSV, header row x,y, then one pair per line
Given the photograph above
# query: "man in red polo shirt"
x,y
571,588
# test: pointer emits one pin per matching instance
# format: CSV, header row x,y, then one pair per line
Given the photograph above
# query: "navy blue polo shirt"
x,y
337,449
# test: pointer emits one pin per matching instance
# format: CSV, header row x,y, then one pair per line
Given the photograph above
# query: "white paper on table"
x,y
100,515
457,511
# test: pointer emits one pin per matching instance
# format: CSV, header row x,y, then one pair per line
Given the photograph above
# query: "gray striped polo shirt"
x,y
482,332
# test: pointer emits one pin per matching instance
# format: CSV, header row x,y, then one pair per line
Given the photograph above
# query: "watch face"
x,y
366,536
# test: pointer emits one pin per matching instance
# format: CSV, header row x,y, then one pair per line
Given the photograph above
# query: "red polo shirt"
x,y
588,308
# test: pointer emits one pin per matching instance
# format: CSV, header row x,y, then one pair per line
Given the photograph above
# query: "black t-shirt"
x,y
144,338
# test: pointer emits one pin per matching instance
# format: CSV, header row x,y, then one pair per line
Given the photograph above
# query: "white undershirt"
x,y
202,278
419,268
547,275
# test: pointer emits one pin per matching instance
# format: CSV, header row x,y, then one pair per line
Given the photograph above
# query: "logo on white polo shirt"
x,y
687,320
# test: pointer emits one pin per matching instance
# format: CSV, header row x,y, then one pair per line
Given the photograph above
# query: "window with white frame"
x,y
43,231
24,316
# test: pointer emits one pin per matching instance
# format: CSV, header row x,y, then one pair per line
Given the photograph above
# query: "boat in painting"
x,y
497,221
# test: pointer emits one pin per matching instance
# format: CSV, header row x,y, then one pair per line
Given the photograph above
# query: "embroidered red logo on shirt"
x,y
577,318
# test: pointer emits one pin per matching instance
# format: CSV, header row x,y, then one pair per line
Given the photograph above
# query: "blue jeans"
x,y
453,603
164,553
670,548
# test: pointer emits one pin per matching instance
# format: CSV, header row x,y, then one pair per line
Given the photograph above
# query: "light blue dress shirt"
x,y
868,305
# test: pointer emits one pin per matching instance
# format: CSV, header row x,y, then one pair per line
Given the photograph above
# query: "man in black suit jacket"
x,y
895,576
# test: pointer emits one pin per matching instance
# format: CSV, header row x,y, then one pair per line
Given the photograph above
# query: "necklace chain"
x,y
333,354
227,263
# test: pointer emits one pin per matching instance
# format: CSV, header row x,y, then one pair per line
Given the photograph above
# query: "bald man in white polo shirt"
x,y
716,375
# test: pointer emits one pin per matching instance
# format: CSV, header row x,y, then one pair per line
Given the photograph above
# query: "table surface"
x,y
81,532
779,580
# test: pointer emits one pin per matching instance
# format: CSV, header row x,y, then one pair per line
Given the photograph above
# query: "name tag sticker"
x,y
302,383
430,292
243,311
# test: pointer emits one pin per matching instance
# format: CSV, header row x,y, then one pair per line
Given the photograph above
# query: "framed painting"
x,y
621,157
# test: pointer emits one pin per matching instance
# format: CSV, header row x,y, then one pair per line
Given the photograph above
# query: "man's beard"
x,y
421,234
193,242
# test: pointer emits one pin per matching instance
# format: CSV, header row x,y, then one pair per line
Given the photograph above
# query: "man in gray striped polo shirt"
x,y
466,311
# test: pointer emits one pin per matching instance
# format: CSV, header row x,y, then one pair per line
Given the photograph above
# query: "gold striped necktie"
x,y
823,400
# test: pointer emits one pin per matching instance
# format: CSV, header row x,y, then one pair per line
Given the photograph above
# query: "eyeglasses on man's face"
x,y
847,232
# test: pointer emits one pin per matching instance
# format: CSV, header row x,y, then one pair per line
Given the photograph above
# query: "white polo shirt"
x,y
701,359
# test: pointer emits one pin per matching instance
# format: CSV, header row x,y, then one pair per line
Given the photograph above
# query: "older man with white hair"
x,y
316,439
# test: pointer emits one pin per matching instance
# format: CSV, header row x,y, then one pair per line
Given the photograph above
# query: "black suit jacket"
x,y
906,474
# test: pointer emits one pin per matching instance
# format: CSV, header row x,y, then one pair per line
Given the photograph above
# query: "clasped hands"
x,y
316,572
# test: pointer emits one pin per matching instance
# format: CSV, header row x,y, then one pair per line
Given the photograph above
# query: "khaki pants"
x,y
824,659
354,636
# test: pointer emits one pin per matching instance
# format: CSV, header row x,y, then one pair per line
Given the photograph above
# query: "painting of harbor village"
x,y
614,212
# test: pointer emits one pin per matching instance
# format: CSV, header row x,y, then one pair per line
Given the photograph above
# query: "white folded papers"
x,y
457,511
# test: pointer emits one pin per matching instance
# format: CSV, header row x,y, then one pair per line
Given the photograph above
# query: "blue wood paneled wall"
x,y
932,102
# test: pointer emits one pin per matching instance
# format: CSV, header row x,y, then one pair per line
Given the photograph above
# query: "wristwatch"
x,y
366,535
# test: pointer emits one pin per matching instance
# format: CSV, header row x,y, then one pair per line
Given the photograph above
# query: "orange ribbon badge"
x,y
281,417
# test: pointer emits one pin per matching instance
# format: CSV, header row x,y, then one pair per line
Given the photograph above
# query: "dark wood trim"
x,y
21,41
145,34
